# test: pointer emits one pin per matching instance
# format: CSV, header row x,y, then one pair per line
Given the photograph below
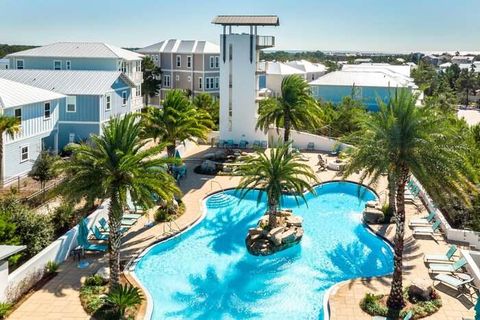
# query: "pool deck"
x,y
59,298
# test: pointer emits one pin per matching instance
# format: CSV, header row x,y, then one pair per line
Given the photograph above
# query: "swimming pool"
x,y
206,273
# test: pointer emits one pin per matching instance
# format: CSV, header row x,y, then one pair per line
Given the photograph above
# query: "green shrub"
x,y
63,218
387,213
51,267
95,281
4,309
169,212
91,297
371,305
120,298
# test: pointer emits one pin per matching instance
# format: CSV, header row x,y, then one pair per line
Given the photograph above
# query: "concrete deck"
x,y
59,298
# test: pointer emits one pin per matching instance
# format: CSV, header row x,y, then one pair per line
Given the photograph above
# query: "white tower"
x,y
239,74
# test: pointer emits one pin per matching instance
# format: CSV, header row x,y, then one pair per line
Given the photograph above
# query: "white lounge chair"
x,y
442,267
422,221
427,231
458,284
441,258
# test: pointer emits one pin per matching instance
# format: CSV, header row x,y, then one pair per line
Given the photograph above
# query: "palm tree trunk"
x,y
395,299
171,149
286,124
115,238
391,194
146,100
272,214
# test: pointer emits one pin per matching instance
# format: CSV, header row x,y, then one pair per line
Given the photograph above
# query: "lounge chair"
x,y
257,144
132,216
311,146
220,143
408,316
229,144
104,225
242,144
458,284
442,267
264,144
427,231
422,221
98,235
82,239
441,258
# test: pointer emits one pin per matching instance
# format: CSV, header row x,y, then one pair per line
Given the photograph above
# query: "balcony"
x,y
136,77
264,42
137,103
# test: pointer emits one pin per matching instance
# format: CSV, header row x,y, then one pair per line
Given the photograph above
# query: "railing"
x,y
218,183
265,42
136,77
137,103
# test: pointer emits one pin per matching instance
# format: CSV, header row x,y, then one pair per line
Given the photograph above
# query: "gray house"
x,y
186,64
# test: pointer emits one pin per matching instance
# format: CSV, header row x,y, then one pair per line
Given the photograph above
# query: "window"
x,y
189,78
18,114
179,61
68,65
166,81
138,66
138,91
124,98
189,61
46,110
123,67
200,83
212,62
20,64
71,104
210,83
177,78
23,153
216,82
57,65
108,102
217,62
71,138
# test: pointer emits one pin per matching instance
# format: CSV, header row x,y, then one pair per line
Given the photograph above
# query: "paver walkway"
x,y
59,299
344,301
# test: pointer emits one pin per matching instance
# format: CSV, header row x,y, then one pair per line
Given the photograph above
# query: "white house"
x,y
274,73
4,63
312,70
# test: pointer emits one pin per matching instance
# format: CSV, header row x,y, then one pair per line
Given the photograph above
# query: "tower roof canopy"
x,y
247,20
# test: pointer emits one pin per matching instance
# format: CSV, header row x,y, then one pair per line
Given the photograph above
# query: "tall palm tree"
x,y
10,126
402,139
177,120
275,173
112,165
296,108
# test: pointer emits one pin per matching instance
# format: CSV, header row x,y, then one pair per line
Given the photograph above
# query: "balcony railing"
x,y
136,77
265,42
137,103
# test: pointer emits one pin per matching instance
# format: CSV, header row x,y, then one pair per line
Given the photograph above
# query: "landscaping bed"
x,y
375,305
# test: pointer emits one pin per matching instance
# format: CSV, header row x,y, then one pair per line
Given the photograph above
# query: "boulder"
x,y
220,155
104,273
372,204
288,236
208,167
371,215
209,156
275,231
420,290
255,231
294,221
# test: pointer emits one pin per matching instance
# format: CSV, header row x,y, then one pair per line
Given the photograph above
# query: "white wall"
x,y
23,278
302,139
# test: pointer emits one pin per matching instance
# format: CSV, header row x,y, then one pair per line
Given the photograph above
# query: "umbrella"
x,y
477,310
177,154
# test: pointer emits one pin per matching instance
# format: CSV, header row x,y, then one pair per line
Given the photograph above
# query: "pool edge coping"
x,y
326,306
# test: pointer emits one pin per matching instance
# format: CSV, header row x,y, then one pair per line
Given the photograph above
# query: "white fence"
x,y
25,277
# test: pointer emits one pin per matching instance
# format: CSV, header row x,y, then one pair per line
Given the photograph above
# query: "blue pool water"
x,y
206,273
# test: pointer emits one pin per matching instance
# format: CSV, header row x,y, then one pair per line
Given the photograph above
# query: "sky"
x,y
355,25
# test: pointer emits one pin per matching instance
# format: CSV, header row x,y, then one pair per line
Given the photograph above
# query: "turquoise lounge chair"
x,y
98,235
442,267
408,316
242,144
427,231
257,144
133,216
310,146
441,258
82,239
422,221
458,284
104,225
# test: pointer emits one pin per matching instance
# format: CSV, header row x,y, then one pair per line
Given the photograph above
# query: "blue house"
x,y
95,56
92,98
366,86
38,112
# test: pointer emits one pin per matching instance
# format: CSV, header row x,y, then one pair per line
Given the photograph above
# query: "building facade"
x,y
239,77
189,65
92,98
38,112
95,56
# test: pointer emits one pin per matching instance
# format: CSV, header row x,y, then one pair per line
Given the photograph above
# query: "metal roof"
x,y
247,20
278,68
181,46
362,78
14,94
7,251
79,50
71,82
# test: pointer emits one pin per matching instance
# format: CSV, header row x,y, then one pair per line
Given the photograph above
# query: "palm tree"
x,y
401,140
10,126
275,173
205,102
112,165
120,298
178,120
151,78
296,108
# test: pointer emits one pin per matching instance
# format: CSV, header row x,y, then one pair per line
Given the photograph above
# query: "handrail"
x,y
215,181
